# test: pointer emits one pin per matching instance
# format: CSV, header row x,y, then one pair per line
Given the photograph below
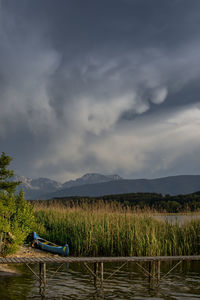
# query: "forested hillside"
x,y
179,203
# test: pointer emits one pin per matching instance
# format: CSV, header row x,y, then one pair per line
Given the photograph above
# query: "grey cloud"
x,y
81,88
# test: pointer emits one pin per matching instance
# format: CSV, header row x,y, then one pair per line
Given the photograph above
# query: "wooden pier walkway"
x,y
150,270
43,259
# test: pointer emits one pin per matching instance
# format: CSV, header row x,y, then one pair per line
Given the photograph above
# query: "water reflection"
x,y
128,283
180,219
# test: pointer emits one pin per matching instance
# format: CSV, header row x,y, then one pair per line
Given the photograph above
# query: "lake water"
x,y
73,282
180,219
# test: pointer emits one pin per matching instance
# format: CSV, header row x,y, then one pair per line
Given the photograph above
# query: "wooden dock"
x,y
71,259
151,269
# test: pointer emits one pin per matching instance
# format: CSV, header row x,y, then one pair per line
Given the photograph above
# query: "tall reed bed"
x,y
110,230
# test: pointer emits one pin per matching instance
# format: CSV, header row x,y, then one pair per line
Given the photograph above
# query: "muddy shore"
x,y
24,251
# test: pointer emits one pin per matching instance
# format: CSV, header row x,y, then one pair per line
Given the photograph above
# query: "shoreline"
x,y
24,251
6,270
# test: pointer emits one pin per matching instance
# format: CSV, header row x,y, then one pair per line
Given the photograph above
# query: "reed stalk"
x,y
112,230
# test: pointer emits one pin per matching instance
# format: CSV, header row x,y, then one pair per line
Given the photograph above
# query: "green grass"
x,y
113,231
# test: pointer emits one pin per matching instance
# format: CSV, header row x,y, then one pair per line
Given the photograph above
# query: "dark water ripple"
x,y
74,283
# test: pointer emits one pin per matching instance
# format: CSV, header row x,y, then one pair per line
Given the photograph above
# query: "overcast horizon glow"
x,y
108,86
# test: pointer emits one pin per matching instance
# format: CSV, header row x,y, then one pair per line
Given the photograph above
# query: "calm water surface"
x,y
180,219
74,282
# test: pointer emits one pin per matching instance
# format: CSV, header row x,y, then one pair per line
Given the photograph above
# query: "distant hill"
x,y
94,185
173,185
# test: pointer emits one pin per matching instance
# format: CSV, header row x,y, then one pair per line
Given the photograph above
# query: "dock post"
x,y
150,265
153,270
40,278
96,273
40,270
158,272
40,273
44,275
101,269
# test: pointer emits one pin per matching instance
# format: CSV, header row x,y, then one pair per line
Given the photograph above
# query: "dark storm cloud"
x,y
105,86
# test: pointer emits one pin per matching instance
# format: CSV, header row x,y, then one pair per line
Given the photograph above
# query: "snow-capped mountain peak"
x,y
90,178
34,188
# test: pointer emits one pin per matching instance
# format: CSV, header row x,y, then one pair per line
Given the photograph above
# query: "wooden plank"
x,y
16,259
32,260
13,260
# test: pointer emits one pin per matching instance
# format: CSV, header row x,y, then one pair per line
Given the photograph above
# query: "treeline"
x,y
158,202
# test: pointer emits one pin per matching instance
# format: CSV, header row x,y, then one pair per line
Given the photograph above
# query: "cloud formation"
x,y
82,94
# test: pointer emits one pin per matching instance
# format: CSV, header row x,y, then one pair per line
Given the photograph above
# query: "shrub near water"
x,y
116,232
16,214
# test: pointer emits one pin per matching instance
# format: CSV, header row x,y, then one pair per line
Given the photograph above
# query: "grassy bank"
x,y
111,230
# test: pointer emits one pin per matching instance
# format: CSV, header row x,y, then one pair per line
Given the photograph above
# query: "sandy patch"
x,y
27,251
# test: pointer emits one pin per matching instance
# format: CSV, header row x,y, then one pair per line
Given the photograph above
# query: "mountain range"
x,y
93,184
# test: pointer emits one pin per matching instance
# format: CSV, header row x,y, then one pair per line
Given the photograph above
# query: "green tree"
x,y
5,174
16,214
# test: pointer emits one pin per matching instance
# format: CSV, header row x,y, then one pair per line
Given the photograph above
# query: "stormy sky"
x,y
107,86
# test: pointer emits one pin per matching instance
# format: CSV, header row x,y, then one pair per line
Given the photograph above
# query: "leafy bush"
x,y
16,214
